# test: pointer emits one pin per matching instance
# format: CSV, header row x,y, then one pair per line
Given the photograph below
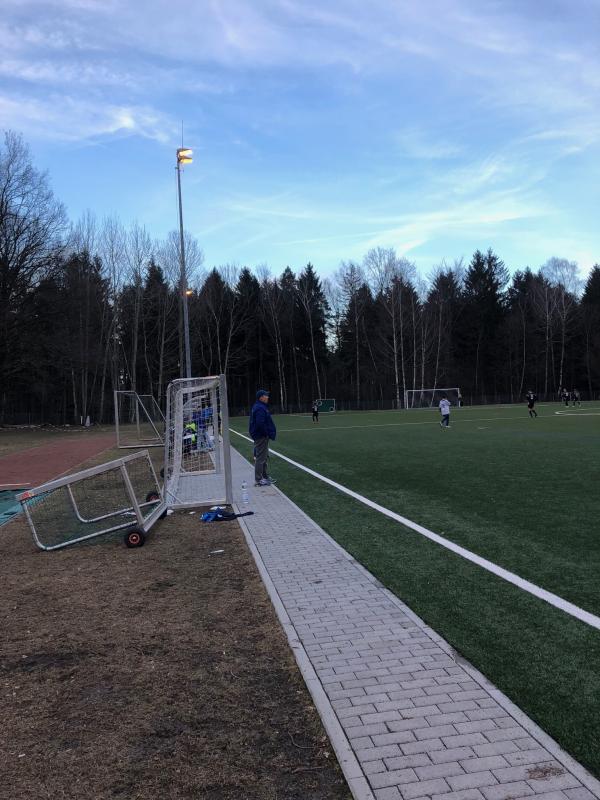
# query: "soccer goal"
x,y
197,451
427,398
326,404
138,420
121,495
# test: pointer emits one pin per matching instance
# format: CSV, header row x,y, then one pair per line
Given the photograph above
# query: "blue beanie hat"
x,y
260,393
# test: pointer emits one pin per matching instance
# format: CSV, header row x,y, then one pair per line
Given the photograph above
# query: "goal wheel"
x,y
162,472
135,537
154,495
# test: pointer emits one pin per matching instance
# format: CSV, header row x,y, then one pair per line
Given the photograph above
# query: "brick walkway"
x,y
408,719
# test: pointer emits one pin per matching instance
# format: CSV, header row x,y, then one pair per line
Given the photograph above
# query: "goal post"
x,y
197,468
428,398
325,403
139,422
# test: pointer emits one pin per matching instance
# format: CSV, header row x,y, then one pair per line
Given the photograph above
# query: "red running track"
x,y
37,465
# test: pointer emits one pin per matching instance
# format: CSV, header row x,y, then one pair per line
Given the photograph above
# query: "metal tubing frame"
x,y
183,383
84,473
215,426
121,510
119,463
103,516
225,438
49,547
137,418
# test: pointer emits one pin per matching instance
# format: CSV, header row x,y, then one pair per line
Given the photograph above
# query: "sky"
x,y
320,128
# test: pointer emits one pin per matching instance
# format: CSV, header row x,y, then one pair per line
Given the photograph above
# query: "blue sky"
x,y
320,129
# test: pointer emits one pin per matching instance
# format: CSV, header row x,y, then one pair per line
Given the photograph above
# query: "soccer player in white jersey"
x,y
445,412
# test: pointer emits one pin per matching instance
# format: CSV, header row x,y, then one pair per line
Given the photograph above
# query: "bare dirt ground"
x,y
155,673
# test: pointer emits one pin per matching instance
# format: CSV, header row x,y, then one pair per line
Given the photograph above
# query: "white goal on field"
x,y
139,422
428,398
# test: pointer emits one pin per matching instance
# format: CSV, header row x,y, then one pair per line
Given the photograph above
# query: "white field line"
x,y
577,413
527,586
401,424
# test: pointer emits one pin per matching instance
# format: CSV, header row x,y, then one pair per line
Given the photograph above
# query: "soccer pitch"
x,y
523,493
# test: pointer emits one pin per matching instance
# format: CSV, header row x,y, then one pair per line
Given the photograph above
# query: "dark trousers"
x,y
261,456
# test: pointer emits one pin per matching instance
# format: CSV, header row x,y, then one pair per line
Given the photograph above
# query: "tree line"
x,y
91,306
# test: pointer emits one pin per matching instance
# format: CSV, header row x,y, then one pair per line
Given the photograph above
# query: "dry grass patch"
x,y
152,673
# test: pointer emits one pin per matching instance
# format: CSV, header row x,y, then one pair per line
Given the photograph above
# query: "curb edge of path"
x,y
355,777
351,769
534,730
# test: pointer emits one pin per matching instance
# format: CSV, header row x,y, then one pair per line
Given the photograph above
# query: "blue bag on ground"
x,y
220,514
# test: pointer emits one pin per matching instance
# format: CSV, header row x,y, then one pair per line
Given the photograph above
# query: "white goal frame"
x,y
197,469
411,394
139,421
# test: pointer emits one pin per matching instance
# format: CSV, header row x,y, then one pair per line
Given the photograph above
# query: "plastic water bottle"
x,y
245,496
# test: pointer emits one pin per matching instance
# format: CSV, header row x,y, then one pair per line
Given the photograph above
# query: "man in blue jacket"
x,y
262,428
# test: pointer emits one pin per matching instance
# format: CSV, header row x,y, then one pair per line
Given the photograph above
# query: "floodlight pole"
x,y
183,279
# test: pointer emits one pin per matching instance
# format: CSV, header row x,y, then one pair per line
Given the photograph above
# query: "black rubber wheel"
x,y
162,472
135,537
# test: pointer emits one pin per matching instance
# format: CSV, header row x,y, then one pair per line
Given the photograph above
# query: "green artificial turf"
x,y
523,493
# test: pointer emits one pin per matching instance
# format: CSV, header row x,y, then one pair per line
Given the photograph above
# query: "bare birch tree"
x,y
563,276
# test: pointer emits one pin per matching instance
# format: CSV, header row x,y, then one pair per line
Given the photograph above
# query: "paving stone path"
x,y
408,718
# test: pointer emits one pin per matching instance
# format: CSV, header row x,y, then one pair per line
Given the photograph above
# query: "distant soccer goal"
x,y
326,404
428,398
138,420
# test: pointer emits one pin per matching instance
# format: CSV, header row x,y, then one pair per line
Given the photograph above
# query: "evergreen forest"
x,y
90,306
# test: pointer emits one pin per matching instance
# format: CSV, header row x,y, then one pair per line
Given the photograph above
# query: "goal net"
x,y
326,404
197,456
139,422
428,398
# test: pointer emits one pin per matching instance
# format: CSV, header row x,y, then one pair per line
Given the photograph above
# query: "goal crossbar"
x,y
139,421
426,398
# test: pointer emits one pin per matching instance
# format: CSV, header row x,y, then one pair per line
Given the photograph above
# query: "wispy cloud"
x,y
68,120
414,143
328,126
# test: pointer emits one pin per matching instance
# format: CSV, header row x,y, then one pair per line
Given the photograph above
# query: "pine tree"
x,y
480,323
590,308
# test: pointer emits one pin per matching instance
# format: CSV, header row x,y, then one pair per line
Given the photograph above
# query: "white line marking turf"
x,y
401,424
577,413
516,580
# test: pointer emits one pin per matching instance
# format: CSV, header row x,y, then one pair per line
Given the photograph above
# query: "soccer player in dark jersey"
x,y
315,412
531,398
